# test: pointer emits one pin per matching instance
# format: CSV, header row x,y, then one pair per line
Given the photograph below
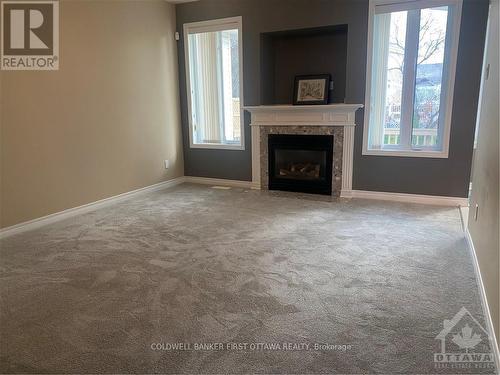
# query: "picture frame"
x,y
311,89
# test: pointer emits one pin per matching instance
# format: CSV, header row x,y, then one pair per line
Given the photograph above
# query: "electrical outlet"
x,y
476,212
167,164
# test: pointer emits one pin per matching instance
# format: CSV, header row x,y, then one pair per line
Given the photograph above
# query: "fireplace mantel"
x,y
305,115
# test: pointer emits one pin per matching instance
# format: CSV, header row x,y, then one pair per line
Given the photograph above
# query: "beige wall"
x,y
485,191
101,125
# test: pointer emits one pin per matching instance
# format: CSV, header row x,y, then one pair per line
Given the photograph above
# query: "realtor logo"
x,y
30,35
464,343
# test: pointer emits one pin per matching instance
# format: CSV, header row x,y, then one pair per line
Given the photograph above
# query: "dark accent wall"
x,y
448,177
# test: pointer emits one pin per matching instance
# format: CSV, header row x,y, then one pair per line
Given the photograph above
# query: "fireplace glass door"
x,y
301,163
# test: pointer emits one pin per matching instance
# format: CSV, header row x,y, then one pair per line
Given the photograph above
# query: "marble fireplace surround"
x,y
330,119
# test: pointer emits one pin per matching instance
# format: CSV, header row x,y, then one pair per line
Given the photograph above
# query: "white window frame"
x,y
229,23
398,5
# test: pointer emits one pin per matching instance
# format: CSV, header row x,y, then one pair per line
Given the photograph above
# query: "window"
x,y
213,71
412,52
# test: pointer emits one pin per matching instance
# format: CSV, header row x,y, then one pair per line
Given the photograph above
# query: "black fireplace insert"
x,y
301,163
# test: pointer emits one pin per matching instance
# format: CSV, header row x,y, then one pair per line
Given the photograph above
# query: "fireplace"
x,y
335,121
302,163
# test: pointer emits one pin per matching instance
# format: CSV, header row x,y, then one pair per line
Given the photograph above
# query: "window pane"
x,y
387,78
429,76
214,80
231,81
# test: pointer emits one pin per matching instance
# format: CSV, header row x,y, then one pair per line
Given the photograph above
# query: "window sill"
x,y
407,153
217,146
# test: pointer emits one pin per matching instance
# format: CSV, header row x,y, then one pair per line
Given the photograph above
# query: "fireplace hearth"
x,y
301,163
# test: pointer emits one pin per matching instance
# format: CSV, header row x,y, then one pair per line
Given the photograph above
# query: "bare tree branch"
x,y
428,44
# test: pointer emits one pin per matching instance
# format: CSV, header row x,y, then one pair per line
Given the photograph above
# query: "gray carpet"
x,y
194,265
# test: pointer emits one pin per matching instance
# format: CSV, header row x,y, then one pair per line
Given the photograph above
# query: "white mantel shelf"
x,y
303,115
306,115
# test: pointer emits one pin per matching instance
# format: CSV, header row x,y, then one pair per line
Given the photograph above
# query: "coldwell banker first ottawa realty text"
x,y
30,35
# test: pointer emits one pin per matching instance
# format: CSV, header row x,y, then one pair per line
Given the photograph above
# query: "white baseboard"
x,y
52,218
256,186
484,300
403,197
218,181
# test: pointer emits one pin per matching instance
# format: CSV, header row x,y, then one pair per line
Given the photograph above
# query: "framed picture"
x,y
311,89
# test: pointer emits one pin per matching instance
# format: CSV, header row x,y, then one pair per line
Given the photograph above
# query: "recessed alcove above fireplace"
x,y
286,54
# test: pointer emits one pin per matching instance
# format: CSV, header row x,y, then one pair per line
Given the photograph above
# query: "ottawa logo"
x,y
464,343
